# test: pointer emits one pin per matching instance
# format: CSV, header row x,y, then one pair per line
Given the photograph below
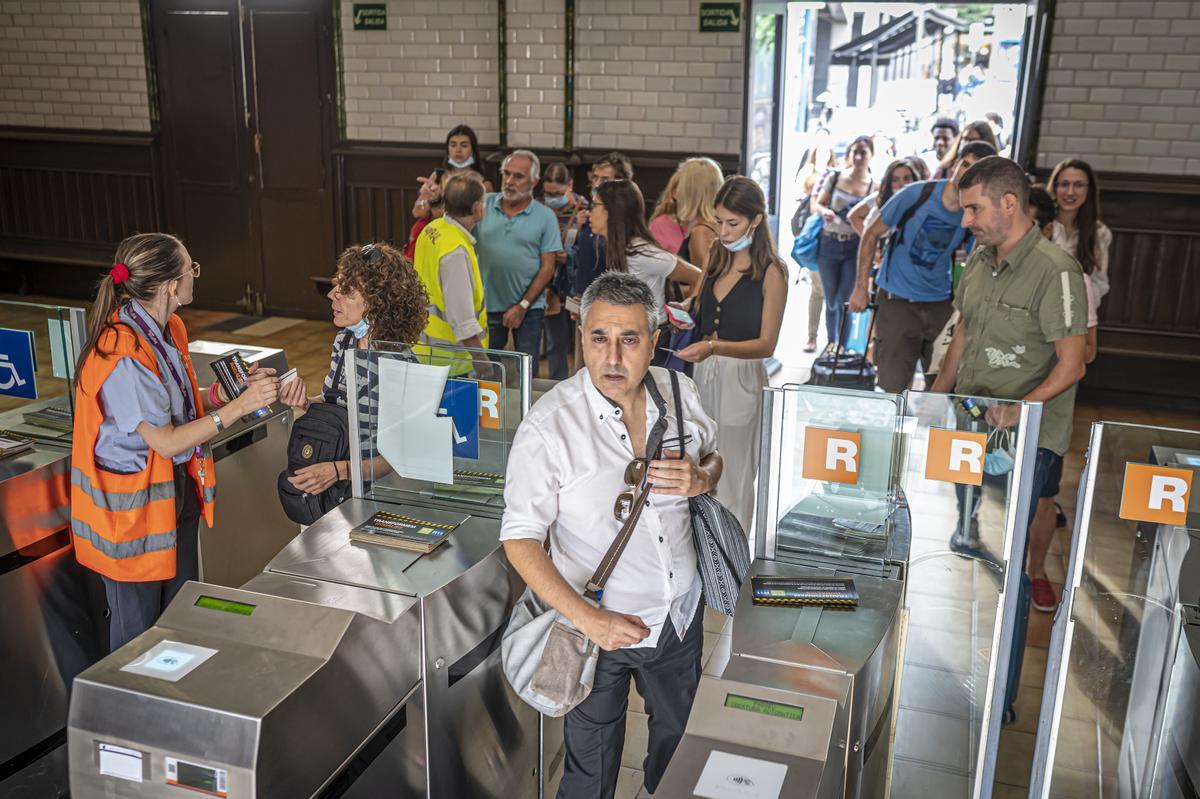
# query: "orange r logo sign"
x,y
1156,494
830,455
955,456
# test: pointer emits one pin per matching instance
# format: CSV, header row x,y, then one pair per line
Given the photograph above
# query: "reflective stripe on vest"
x,y
124,500
119,550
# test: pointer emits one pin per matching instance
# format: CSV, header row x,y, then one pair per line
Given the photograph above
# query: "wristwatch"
x,y
524,303
216,417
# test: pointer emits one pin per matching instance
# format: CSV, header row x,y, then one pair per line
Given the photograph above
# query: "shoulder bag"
x,y
806,244
548,662
722,549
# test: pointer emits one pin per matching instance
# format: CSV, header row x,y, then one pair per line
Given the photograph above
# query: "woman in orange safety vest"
x,y
141,471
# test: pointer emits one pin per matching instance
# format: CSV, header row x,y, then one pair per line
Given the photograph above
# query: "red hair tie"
x,y
119,273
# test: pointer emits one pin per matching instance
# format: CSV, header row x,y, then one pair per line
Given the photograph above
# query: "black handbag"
x,y
320,435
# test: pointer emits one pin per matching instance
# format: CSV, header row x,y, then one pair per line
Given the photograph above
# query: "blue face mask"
x,y
556,202
741,243
359,328
460,164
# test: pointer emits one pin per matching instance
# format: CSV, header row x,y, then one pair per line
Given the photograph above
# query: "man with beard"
x,y
516,243
1023,333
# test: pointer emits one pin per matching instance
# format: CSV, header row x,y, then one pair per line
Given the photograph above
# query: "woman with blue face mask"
x,y
740,314
376,296
462,155
558,194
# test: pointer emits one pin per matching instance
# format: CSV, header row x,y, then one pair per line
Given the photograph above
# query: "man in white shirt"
x,y
568,463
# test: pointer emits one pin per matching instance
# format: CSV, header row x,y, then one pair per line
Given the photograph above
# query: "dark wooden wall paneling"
x,y
70,197
1149,336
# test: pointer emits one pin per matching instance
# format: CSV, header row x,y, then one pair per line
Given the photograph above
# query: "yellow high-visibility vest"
x,y
440,238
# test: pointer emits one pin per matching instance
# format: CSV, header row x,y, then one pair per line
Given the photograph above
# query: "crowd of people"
x,y
953,245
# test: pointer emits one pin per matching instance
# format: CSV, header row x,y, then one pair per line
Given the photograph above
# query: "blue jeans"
x,y
558,344
837,262
527,338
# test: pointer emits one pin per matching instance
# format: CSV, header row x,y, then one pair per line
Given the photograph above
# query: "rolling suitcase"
x,y
842,368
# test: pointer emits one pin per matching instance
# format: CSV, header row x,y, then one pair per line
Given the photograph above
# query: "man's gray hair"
x,y
535,168
620,288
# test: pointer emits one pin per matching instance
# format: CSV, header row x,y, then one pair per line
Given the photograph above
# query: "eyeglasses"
x,y
194,269
635,473
1078,185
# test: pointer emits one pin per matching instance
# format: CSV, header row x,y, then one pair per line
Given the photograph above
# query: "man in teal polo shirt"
x,y
516,245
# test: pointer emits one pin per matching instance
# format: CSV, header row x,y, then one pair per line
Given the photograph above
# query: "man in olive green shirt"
x,y
1022,335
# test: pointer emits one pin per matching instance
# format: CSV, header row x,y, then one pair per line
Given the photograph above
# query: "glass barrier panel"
x,y
961,480
438,423
1118,711
829,458
39,345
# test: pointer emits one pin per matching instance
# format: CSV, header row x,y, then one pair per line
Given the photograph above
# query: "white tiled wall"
x,y
537,68
647,79
1122,86
73,65
436,66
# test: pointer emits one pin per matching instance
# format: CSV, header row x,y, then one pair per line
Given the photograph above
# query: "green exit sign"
x,y
370,16
720,17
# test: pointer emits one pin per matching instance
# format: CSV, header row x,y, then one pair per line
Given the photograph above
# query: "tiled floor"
x,y
307,345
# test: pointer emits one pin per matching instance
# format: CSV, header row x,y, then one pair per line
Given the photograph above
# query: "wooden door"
x,y
205,143
246,93
291,54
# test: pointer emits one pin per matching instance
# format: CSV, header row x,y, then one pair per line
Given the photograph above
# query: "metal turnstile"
x,y
249,454
344,668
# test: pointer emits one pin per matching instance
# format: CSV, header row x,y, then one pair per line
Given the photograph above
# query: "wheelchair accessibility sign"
x,y
17,364
460,401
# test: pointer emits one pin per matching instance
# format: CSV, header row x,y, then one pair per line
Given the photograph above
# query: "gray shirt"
x,y
132,394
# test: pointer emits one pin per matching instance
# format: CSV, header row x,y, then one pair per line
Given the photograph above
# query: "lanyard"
x,y
185,388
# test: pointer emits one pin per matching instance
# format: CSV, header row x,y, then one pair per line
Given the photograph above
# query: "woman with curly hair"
x,y
376,296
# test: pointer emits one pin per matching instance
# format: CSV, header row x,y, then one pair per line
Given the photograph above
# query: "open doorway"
x,y
821,74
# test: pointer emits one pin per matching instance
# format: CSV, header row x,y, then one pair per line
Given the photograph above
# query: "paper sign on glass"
x,y
416,442
955,456
1156,494
831,455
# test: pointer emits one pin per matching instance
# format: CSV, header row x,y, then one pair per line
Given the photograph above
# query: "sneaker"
x,y
1042,595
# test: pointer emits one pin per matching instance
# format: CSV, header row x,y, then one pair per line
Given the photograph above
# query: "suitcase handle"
x,y
842,334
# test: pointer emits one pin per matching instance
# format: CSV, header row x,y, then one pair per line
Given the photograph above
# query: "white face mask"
x,y
460,164
741,243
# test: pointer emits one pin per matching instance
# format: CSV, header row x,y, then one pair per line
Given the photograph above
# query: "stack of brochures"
x,y
402,532
13,443
804,591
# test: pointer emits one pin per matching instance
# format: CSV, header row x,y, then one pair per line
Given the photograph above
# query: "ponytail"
x,y
144,261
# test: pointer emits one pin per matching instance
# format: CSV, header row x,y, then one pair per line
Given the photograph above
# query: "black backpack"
x,y
321,434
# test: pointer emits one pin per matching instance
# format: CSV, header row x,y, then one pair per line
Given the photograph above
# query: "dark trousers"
x,y
667,677
134,607
905,332
558,344
527,338
1047,471
838,265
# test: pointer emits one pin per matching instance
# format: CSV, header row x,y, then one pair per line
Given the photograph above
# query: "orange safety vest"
x,y
123,525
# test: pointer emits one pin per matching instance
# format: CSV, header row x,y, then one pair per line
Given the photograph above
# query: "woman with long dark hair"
x,y
741,312
1077,225
142,471
462,155
979,130
619,216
